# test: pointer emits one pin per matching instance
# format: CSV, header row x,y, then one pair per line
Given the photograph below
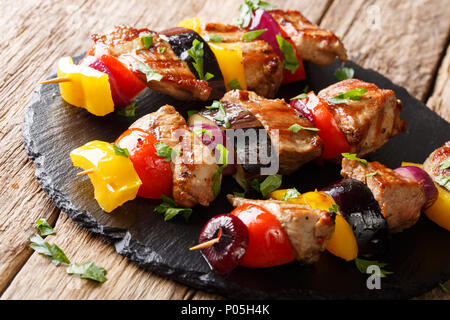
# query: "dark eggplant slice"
x,y
181,39
363,213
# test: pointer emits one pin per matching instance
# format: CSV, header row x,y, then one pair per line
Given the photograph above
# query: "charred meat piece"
x,y
194,167
262,66
314,44
367,123
400,199
432,164
308,229
177,79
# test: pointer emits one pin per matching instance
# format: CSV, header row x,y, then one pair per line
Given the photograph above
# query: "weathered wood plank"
x,y
439,101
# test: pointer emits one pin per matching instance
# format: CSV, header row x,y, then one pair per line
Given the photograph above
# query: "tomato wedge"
x,y
300,73
269,244
154,172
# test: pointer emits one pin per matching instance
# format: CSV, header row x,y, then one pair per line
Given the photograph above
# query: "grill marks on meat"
x,y
276,116
314,44
367,123
400,199
308,229
262,66
194,167
432,164
178,80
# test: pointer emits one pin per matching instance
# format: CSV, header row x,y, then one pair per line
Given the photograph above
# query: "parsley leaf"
x,y
334,208
291,194
372,174
234,84
196,53
213,37
221,115
163,150
88,270
128,111
362,266
343,97
161,49
445,164
246,11
147,40
443,181
44,228
52,251
123,152
300,96
150,73
296,128
290,61
223,159
239,194
201,131
170,209
252,35
344,73
443,288
271,183
191,112
354,157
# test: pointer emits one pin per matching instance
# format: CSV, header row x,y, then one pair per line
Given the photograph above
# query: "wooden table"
x,y
405,40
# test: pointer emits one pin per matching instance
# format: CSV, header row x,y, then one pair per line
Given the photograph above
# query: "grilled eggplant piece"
x,y
400,199
194,168
314,44
308,229
367,123
263,68
362,212
178,80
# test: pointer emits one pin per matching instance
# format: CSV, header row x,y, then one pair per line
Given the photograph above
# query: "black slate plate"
x,y
419,257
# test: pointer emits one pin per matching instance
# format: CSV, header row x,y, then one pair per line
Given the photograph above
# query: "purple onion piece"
x,y
302,109
263,20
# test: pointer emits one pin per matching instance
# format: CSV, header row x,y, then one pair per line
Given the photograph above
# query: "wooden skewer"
x,y
85,172
205,244
56,80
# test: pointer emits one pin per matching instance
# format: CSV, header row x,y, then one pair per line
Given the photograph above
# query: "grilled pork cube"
x,y
194,167
367,123
178,81
432,164
314,44
400,199
262,66
308,229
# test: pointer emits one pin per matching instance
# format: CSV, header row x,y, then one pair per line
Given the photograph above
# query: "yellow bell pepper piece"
x,y
113,176
229,57
411,164
87,88
439,212
192,24
278,194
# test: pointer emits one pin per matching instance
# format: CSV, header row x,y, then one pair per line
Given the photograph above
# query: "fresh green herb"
x,y
362,266
234,84
291,194
44,228
88,270
443,288
246,11
161,49
151,74
163,150
296,128
300,96
343,97
353,156
147,40
223,159
201,131
123,152
196,53
445,164
271,183
344,73
52,251
170,209
213,37
372,174
128,111
443,181
191,112
254,183
221,115
290,61
334,208
239,194
252,35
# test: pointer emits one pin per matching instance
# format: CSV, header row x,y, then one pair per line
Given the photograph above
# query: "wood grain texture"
x,y
440,99
36,33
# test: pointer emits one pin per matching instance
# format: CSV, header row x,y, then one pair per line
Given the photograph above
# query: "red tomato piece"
x,y
300,73
154,172
268,244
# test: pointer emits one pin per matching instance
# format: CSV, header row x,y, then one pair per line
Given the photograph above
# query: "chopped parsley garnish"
x,y
223,159
296,128
123,152
128,111
334,208
443,288
290,61
213,37
191,112
201,131
362,266
147,40
163,150
88,270
150,73
443,181
372,174
239,194
221,115
445,164
291,194
271,183
246,11
353,156
170,209
343,97
44,228
300,96
51,251
252,35
161,49
344,73
234,84
196,53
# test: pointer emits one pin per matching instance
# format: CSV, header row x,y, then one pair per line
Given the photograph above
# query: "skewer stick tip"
x,y
85,172
55,80
205,244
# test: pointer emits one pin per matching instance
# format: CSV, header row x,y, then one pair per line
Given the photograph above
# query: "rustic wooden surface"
x,y
405,40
